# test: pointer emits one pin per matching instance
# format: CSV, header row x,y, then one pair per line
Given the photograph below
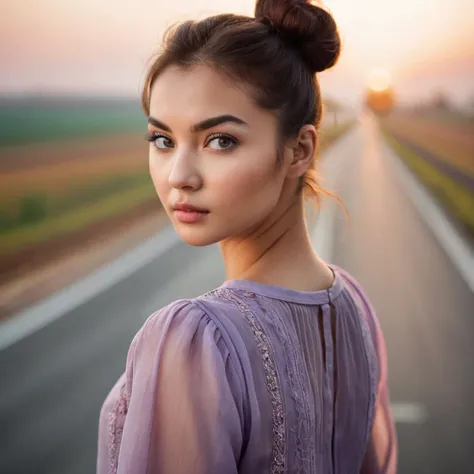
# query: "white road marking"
x,y
458,250
409,413
40,315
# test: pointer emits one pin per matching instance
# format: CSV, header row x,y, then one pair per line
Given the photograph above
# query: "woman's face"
x,y
213,149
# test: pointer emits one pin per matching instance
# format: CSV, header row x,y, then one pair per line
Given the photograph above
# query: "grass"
x,y
70,222
36,204
457,198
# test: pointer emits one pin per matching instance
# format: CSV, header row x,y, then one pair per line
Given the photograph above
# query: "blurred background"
x,y
87,254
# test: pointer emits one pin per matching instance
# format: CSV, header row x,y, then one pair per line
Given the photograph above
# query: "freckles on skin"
x,y
239,186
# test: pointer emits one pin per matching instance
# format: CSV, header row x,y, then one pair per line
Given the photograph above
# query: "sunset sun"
x,y
379,80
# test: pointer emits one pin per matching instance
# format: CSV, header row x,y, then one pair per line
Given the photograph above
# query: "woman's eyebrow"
x,y
213,121
204,125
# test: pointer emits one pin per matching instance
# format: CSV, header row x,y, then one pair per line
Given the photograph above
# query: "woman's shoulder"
x,y
180,319
361,298
187,323
356,290
190,314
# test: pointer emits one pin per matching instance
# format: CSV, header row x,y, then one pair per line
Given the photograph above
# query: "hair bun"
x,y
304,26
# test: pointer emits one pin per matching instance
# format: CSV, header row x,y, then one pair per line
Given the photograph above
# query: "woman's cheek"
x,y
254,180
249,192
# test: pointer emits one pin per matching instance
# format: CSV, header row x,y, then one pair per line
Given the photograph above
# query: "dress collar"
x,y
287,294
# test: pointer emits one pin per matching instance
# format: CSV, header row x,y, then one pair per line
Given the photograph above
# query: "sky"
x,y
102,46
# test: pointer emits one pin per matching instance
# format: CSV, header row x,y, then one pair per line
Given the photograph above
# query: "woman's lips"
x,y
189,217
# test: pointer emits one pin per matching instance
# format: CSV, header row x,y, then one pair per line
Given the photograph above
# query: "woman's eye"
x,y
162,142
221,143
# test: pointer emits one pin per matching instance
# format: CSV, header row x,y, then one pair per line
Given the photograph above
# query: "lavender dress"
x,y
254,378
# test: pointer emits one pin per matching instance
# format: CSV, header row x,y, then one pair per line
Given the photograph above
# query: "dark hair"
x,y
277,53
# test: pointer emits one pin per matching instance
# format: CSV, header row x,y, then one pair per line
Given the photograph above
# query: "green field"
x,y
31,120
48,227
37,205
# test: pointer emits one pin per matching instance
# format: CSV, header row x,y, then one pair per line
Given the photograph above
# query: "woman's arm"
x,y
183,413
381,453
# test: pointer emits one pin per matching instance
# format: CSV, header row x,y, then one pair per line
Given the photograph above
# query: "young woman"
x,y
282,368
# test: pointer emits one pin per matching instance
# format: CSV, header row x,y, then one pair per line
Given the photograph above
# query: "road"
x,y
55,379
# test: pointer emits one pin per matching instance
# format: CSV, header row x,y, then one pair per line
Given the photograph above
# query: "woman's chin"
x,y
195,237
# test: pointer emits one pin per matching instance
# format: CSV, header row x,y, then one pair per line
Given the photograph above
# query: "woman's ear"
x,y
303,149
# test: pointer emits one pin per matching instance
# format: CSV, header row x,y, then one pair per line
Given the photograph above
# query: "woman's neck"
x,y
278,253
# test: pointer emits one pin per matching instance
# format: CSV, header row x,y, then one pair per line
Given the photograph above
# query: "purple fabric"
x,y
254,378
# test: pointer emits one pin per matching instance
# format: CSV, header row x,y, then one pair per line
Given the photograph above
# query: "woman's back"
x,y
254,378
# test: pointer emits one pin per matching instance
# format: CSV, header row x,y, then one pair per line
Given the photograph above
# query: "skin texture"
x,y
255,213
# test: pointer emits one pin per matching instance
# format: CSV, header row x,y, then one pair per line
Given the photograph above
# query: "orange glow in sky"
x,y
103,46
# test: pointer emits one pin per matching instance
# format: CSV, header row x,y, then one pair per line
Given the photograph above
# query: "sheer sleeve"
x,y
184,411
381,454
382,449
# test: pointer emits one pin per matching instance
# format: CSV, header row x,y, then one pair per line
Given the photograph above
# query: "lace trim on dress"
x,y
116,421
278,417
298,384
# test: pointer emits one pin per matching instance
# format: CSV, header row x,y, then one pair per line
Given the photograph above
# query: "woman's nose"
x,y
184,173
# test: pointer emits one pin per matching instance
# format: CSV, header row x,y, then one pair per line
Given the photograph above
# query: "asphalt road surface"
x,y
54,381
